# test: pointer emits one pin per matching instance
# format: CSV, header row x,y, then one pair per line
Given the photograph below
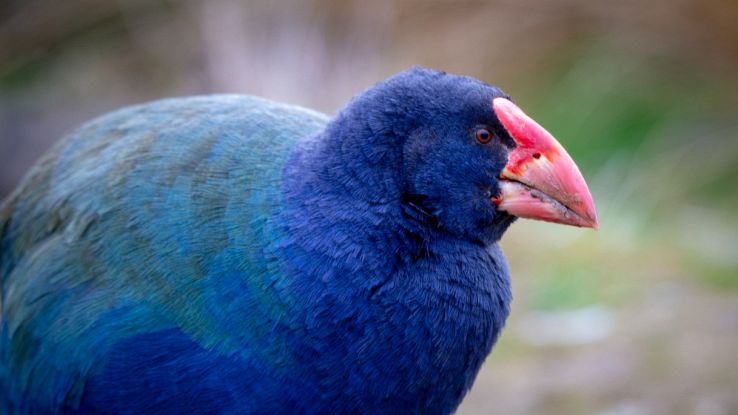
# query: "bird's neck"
x,y
351,192
362,262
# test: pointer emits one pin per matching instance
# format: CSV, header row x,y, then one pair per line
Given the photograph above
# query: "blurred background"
x,y
638,318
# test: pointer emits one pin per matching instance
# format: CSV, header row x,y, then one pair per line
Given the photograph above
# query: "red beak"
x,y
540,180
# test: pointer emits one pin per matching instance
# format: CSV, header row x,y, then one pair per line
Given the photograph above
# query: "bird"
x,y
227,254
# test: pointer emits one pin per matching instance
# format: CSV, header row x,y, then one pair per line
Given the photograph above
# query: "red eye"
x,y
483,136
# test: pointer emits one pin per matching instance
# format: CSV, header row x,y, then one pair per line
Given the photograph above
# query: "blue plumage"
x,y
227,254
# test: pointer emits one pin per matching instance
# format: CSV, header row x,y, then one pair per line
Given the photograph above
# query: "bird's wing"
x,y
149,218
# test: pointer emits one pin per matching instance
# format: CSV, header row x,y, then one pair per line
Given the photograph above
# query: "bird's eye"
x,y
483,136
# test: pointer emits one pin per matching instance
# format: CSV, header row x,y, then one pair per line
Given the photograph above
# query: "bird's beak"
x,y
540,180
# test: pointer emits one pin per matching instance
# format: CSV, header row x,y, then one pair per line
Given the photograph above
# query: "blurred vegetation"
x,y
638,318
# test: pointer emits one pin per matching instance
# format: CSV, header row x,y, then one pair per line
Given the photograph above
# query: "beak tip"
x,y
595,224
585,220
590,214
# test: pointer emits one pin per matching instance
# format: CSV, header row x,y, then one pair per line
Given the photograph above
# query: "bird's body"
x,y
231,255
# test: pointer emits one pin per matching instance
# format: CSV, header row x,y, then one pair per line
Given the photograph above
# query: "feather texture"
x,y
227,254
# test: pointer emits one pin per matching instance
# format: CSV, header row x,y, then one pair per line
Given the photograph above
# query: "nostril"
x,y
536,155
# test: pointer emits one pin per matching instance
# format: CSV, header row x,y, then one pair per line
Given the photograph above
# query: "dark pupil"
x,y
483,135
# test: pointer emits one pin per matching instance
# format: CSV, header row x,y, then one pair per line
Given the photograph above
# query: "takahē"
x,y
231,255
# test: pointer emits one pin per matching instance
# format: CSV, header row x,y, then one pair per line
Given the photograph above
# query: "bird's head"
x,y
468,159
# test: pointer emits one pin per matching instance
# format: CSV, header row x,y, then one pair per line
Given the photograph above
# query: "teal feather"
x,y
168,199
